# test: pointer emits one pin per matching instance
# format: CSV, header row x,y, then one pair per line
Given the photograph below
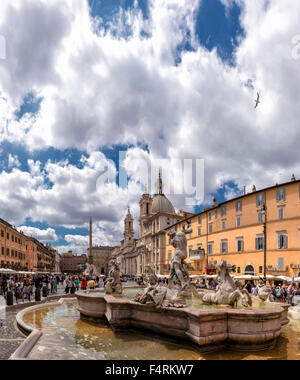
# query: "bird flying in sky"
x,y
257,100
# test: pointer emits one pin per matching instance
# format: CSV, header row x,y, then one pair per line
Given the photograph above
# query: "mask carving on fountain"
x,y
114,284
228,291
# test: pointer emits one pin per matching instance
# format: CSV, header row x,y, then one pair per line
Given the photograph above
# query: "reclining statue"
x,y
228,291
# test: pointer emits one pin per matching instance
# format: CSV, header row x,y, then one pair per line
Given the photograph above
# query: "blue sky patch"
x,y
31,104
216,28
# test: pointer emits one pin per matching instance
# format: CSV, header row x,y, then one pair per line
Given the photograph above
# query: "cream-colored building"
x,y
149,249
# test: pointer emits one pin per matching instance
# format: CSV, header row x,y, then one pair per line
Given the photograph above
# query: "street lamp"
x,y
263,211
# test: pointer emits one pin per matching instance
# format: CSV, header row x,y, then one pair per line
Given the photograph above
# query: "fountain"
x,y
219,322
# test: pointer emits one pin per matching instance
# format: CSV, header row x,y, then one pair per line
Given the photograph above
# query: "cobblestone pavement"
x,y
10,337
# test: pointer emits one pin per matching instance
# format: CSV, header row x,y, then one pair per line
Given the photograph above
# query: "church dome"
x,y
161,203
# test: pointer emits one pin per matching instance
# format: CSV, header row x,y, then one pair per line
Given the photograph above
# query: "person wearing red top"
x,y
83,284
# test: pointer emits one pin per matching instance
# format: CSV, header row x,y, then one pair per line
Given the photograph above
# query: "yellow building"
x,y
233,230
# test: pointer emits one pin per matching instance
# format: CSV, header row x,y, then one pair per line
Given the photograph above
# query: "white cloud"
x,y
48,235
100,89
13,161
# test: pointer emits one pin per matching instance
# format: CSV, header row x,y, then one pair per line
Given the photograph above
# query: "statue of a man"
x,y
178,267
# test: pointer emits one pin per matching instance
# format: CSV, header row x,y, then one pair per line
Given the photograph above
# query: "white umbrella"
x,y
162,276
246,277
284,278
7,271
197,276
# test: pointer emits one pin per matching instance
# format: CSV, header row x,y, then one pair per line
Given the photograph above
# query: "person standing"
x,y
83,283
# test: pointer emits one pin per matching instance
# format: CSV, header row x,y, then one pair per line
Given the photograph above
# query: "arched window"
x,y
249,270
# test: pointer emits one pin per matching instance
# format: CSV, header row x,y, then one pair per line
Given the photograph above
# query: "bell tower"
x,y
128,228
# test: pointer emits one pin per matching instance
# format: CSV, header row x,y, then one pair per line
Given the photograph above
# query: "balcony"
x,y
197,254
277,270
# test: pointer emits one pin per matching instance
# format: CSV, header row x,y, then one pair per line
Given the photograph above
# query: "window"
x,y
209,215
224,224
281,241
224,246
238,206
260,269
238,221
260,217
216,213
210,228
281,212
199,219
280,195
259,243
239,244
223,211
190,250
199,231
249,270
280,263
260,200
210,248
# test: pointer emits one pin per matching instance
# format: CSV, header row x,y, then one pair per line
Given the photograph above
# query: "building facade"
x,y
12,247
40,257
71,263
233,231
100,257
149,249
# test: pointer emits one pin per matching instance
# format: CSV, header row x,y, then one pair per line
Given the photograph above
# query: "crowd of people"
x,y
282,292
23,287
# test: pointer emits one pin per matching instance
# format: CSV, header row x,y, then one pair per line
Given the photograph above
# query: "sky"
x,y
161,81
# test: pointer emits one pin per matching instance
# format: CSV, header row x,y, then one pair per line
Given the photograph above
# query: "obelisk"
x,y
91,242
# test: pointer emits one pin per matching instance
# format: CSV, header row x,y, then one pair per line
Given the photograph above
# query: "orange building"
x,y
12,247
233,230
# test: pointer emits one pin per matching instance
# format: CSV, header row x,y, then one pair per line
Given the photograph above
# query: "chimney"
x,y
214,202
293,179
253,188
245,190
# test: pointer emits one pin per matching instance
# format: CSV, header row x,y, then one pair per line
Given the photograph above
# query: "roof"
x,y
161,203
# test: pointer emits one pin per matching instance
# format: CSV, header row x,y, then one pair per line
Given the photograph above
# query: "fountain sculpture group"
x,y
163,309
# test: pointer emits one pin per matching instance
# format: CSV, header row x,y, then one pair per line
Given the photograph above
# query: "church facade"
x,y
149,249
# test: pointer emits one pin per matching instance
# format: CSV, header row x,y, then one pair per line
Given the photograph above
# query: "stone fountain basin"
x,y
211,330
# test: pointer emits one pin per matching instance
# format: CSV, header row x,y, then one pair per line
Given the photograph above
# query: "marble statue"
x,y
159,295
179,276
179,286
90,270
114,284
228,291
264,292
